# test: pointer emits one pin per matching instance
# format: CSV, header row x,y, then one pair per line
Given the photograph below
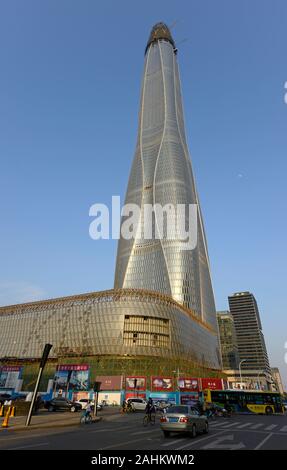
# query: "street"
x,y
121,432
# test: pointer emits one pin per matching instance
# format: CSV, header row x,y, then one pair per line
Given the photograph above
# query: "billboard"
x,y
9,376
135,395
161,399
189,398
135,383
187,384
164,384
71,377
211,384
110,382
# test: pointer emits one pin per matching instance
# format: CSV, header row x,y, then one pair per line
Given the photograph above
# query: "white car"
x,y
137,404
84,402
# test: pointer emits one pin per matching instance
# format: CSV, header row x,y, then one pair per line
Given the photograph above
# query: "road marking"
x,y
30,445
272,426
284,429
256,426
101,430
200,439
173,442
144,432
263,442
244,426
121,444
229,425
217,443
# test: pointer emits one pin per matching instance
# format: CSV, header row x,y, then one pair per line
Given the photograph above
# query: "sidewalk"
x,y
45,419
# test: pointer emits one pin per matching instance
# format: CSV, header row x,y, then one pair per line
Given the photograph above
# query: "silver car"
x,y
183,418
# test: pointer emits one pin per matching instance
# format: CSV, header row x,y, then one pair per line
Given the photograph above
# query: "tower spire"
x,y
160,31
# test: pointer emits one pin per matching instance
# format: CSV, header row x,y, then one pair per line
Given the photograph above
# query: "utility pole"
x,y
45,355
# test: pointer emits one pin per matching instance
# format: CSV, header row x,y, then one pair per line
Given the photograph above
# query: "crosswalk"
x,y
247,426
135,431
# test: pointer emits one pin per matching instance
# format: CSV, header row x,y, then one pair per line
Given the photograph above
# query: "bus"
x,y
251,401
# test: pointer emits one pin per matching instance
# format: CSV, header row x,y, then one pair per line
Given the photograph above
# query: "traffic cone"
x,y
12,413
6,419
1,411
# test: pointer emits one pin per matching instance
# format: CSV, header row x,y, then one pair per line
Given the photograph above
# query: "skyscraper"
x,y
228,341
161,315
161,173
250,339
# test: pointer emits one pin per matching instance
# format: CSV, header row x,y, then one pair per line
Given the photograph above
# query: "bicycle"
x,y
127,409
86,419
149,418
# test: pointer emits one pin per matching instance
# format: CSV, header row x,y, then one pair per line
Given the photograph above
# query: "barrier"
x,y
6,419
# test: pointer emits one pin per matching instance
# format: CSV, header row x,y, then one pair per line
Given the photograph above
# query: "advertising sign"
x,y
211,384
110,382
110,398
135,383
161,384
71,377
161,399
135,395
189,398
80,395
9,376
188,384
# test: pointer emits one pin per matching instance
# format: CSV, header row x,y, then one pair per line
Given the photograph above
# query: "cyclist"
x,y
88,410
150,408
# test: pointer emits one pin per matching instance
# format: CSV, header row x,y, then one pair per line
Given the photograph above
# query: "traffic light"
x,y
97,386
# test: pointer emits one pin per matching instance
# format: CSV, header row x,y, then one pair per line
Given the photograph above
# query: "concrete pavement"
x,y
45,419
121,432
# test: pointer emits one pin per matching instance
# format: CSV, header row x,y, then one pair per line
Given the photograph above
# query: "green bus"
x,y
251,401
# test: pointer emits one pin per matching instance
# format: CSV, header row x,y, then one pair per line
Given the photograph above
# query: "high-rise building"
x,y
228,341
161,174
250,338
161,315
277,379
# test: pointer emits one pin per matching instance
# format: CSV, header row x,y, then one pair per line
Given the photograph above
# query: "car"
x,y
183,418
60,403
4,397
84,401
162,406
137,404
16,397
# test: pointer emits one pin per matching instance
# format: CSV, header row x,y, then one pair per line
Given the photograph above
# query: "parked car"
x,y
16,397
183,418
4,397
137,404
60,403
84,401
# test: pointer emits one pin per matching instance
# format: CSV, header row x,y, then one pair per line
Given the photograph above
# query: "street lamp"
x,y
243,360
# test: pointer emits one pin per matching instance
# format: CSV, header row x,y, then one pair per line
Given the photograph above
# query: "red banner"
x,y
162,384
188,384
211,384
135,395
11,368
73,367
135,383
110,382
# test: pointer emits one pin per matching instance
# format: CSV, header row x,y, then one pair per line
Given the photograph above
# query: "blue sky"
x,y
69,98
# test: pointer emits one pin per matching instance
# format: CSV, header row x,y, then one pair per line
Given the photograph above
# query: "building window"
x,y
146,331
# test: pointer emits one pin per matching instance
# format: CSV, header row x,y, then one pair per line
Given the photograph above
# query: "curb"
x,y
43,426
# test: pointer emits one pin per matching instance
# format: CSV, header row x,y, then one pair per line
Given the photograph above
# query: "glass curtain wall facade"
x,y
161,173
116,323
